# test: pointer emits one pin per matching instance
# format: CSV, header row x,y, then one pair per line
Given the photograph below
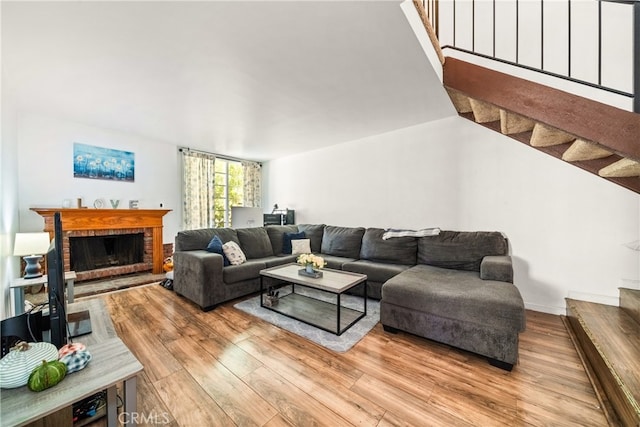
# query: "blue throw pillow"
x,y
215,246
286,241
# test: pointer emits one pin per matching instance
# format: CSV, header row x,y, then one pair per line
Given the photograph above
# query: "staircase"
x,y
598,138
608,341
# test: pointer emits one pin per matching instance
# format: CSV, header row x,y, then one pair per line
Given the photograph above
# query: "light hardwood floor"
x,y
227,368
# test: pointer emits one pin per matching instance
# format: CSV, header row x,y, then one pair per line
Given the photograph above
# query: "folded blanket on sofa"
x,y
390,233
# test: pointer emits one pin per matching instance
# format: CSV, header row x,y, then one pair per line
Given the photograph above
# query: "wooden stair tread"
x,y
593,166
483,111
460,101
616,337
582,150
546,136
610,126
511,123
623,168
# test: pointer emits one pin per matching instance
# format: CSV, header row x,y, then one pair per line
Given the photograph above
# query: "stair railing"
x,y
462,18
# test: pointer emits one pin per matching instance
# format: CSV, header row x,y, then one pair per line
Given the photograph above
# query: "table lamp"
x,y
31,246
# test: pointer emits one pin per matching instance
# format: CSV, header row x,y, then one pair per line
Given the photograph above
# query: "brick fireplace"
x,y
87,222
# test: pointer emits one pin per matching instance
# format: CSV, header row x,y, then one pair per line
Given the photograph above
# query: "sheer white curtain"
x,y
252,184
198,189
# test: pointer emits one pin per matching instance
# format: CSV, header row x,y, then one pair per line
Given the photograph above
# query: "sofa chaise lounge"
x,y
453,287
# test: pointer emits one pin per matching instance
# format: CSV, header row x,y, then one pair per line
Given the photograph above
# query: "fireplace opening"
x,y
96,252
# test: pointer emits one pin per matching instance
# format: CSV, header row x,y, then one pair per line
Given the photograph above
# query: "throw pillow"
x,y
301,246
215,246
287,238
234,253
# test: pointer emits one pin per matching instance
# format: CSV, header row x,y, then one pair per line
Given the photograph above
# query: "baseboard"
x,y
599,299
559,311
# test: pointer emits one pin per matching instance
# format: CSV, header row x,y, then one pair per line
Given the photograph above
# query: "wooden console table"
x,y
112,363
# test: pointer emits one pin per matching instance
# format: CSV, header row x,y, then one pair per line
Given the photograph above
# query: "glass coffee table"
x,y
327,313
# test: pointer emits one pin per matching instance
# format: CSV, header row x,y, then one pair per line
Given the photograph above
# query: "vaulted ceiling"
x,y
256,80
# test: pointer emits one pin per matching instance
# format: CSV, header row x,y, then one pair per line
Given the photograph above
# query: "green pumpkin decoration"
x,y
46,375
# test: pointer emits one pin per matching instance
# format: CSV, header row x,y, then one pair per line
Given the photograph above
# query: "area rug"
x,y
339,344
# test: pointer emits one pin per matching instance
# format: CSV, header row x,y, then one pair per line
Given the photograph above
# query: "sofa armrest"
x,y
497,267
197,275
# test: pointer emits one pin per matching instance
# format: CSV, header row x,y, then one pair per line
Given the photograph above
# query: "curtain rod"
x,y
234,159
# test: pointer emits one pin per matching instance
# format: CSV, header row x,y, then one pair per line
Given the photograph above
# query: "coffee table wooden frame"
x,y
312,311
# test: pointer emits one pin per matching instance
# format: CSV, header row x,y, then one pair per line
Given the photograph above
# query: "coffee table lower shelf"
x,y
321,314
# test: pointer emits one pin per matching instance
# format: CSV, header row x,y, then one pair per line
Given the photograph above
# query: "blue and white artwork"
x,y
103,163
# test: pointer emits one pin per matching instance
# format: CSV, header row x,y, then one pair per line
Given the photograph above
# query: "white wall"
x,y
566,227
398,179
45,171
9,265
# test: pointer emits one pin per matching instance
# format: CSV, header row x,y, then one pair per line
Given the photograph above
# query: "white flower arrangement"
x,y
317,261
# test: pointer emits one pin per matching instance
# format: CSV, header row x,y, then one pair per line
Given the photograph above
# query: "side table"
x,y
17,287
112,363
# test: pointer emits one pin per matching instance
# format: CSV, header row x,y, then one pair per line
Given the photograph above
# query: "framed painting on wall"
x,y
103,163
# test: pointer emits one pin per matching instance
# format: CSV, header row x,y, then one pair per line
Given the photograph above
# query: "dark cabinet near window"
x,y
283,218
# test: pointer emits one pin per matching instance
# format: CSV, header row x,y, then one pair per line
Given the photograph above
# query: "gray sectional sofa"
x,y
454,287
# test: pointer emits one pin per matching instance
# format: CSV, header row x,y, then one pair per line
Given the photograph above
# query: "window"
x,y
228,190
212,185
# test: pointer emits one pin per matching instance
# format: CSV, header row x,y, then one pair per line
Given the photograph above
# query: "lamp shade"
x,y
31,244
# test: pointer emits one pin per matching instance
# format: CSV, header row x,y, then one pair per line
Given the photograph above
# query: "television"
x,y
56,283
61,325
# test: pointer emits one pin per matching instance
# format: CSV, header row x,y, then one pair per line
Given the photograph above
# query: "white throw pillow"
x,y
234,253
301,246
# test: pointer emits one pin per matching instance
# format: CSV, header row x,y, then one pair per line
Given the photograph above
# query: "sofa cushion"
x,y
227,234
458,295
278,260
498,267
335,262
460,250
342,241
396,250
255,242
287,248
234,253
276,235
375,271
215,246
191,240
313,232
246,271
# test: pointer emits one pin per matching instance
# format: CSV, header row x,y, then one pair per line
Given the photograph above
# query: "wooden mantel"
x,y
111,219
